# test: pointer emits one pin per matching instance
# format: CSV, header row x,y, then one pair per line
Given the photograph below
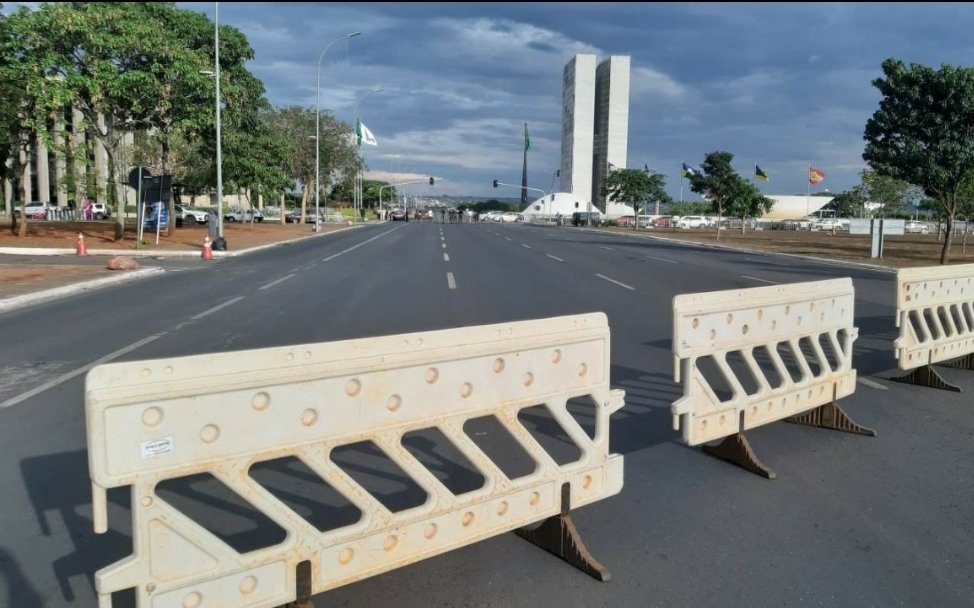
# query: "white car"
x,y
693,221
915,227
191,215
510,217
237,216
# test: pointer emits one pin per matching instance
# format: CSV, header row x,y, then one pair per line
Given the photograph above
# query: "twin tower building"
x,y
594,125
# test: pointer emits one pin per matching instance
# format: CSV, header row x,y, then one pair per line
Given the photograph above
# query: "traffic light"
x,y
495,183
431,181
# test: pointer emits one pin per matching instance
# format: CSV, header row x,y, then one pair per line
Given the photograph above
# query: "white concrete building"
x,y
594,125
578,126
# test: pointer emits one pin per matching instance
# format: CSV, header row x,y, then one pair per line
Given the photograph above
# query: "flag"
x,y
688,170
527,138
815,175
364,135
759,174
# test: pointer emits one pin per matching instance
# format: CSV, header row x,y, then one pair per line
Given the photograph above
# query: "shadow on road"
x,y
19,591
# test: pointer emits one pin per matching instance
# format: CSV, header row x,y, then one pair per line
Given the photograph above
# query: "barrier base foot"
x,y
926,376
558,535
965,362
737,449
831,416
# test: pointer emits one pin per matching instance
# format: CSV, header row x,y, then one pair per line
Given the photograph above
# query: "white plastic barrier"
x,y
150,421
791,317
935,314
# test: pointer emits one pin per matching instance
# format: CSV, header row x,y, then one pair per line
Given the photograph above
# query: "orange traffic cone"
x,y
207,249
80,248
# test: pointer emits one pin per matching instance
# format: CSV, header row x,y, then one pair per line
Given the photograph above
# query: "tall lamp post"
x,y
318,122
358,178
219,141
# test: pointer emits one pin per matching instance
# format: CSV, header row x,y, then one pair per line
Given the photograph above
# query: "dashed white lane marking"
x,y
525,246
67,376
744,276
509,238
444,245
450,281
554,257
662,259
217,308
620,284
273,283
446,257
872,383
605,247
354,247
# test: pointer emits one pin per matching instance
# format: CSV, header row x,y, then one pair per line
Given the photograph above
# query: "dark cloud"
x,y
783,85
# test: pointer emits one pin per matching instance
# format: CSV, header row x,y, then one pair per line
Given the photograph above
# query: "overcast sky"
x,y
781,85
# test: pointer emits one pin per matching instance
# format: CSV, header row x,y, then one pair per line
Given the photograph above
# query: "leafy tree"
x,y
723,187
688,207
889,193
922,134
747,201
849,203
636,186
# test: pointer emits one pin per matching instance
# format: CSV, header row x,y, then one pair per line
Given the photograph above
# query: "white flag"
x,y
365,136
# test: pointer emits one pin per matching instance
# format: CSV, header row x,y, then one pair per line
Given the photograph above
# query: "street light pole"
x,y
318,123
358,178
219,141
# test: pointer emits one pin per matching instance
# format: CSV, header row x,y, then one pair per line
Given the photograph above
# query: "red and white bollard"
x,y
80,248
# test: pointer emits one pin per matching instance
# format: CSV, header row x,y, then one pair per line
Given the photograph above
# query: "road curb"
x,y
21,301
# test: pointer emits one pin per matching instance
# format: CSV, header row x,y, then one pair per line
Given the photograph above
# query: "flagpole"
x,y
681,181
808,189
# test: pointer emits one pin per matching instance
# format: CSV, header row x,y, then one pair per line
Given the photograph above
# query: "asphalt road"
x,y
850,521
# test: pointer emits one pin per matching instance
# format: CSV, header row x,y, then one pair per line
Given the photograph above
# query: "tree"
x,y
747,202
922,134
849,203
889,193
636,186
719,183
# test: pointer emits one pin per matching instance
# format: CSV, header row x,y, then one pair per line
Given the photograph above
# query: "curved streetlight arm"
x,y
543,193
381,188
318,122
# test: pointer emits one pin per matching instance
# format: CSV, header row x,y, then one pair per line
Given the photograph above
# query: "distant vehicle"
x,y
510,216
37,210
585,218
100,211
237,216
295,216
398,215
693,221
191,215
915,227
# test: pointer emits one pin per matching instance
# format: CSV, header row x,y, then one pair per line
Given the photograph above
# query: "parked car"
x,y
192,215
37,210
915,227
693,221
100,211
245,216
585,218
397,215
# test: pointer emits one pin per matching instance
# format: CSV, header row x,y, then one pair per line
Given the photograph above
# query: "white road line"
x,y
446,257
744,276
662,259
604,247
872,383
216,308
602,276
354,247
444,245
554,257
509,238
65,377
450,281
525,246
280,280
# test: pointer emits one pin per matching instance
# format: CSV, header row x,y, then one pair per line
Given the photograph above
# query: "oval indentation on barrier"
x,y
466,390
390,543
586,482
430,531
744,329
248,585
502,508
467,519
582,370
146,501
152,416
498,365
695,323
393,403
169,369
192,600
289,357
528,379
260,401
309,417
556,355
346,556
730,318
210,433
353,387
534,499
432,375
146,372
